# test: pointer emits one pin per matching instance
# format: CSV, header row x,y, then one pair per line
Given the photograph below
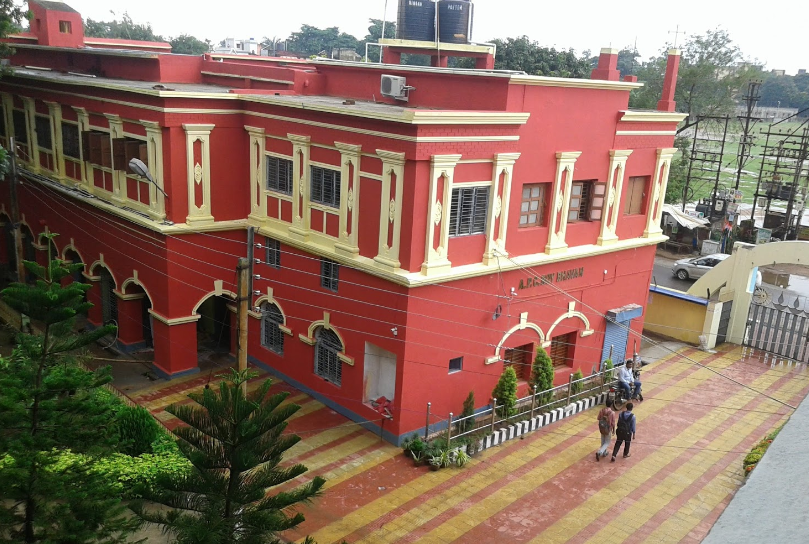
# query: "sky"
x,y
771,38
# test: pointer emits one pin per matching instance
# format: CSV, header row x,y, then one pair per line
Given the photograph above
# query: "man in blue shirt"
x,y
624,432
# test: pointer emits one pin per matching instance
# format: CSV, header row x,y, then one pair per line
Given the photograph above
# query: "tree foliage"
x,y
125,29
785,91
11,18
506,393
678,173
51,405
310,40
542,371
524,54
235,444
468,412
185,44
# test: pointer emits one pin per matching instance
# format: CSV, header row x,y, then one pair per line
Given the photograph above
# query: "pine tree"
x,y
542,374
506,393
49,405
468,412
234,442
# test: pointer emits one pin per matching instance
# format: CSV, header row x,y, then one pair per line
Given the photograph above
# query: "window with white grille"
x,y
329,274
327,364
272,255
272,337
468,212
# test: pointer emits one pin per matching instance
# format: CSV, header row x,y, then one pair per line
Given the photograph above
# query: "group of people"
x,y
622,426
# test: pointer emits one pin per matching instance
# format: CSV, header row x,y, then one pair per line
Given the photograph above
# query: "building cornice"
x,y
544,81
630,116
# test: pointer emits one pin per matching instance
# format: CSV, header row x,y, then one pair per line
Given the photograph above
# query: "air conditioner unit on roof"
x,y
395,87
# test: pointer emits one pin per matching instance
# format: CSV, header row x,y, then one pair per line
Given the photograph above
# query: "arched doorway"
x,y
109,301
214,326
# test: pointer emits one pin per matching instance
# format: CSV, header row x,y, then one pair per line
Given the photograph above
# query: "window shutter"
x,y
317,184
480,212
106,150
85,144
453,212
119,153
285,176
143,153
132,152
273,174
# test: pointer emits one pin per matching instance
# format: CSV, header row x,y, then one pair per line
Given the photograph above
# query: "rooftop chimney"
x,y
607,66
667,102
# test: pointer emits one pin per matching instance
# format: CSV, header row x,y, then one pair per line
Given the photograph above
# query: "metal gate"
x,y
780,328
724,321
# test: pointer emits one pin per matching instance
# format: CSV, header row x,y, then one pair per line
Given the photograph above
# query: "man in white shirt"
x,y
626,380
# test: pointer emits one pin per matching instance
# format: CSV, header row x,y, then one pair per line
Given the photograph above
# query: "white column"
x,y
83,119
442,172
55,115
560,201
349,199
390,208
258,173
300,191
654,207
154,147
118,177
499,197
33,146
198,172
612,199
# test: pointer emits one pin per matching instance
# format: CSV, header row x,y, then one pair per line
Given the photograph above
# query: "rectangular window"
x,y
97,147
468,212
325,186
126,149
520,360
272,256
279,175
559,351
20,126
586,201
43,128
66,27
329,274
532,209
635,191
456,364
71,144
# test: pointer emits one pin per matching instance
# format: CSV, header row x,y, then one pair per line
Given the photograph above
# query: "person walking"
x,y
625,431
606,426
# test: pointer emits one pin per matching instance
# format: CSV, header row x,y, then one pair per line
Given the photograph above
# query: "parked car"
x,y
696,267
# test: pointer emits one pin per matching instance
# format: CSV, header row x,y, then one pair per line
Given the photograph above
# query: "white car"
x,y
696,267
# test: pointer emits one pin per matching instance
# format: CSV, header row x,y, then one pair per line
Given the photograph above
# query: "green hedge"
x,y
755,455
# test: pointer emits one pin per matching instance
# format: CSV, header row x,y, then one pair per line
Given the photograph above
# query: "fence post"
x,y
427,427
449,432
533,401
494,411
569,388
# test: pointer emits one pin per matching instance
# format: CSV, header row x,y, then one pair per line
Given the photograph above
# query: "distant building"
x,y
233,46
778,72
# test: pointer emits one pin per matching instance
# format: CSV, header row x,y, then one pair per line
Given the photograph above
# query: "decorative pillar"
x,y
666,102
130,318
654,206
300,191
258,173
175,345
560,201
390,223
198,167
118,176
33,145
442,171
612,198
154,149
8,107
55,117
499,198
349,199
83,119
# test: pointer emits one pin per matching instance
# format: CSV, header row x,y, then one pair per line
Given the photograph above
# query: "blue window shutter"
x,y
616,335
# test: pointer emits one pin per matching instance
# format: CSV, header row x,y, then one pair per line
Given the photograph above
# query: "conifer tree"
x,y
542,374
234,442
506,393
50,404
468,412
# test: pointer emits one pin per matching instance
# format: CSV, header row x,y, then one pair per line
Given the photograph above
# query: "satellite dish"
x,y
138,167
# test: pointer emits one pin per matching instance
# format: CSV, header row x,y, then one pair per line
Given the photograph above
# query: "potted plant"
x,y
435,463
446,458
418,458
461,458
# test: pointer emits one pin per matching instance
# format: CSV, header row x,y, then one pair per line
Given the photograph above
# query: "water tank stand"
x,y
439,53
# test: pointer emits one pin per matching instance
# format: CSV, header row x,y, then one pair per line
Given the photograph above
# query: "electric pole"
x,y
15,211
243,270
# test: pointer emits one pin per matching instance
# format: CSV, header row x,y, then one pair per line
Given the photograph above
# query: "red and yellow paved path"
x,y
693,430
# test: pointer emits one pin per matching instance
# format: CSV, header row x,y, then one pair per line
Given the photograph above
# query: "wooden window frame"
x,y
126,149
20,138
643,181
469,210
591,198
97,148
526,205
66,27
67,151
43,136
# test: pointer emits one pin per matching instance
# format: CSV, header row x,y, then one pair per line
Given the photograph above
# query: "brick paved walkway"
x,y
693,430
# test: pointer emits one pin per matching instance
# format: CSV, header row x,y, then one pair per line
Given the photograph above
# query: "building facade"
x,y
404,250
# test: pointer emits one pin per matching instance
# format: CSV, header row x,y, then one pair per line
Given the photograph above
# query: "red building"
x,y
409,249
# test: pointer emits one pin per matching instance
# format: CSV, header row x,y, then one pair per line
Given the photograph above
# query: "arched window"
x,y
109,302
272,337
327,365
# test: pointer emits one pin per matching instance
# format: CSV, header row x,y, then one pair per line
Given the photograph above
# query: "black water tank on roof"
x,y
416,20
454,21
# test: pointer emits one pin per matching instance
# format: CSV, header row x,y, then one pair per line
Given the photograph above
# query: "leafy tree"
x,y
542,373
628,63
50,405
310,40
11,18
506,393
678,173
468,412
375,34
185,44
125,29
526,55
234,442
577,385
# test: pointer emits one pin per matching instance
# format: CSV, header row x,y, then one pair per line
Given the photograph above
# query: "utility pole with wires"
x,y
244,270
15,211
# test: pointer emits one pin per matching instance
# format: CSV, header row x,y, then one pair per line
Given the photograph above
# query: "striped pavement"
x,y
694,428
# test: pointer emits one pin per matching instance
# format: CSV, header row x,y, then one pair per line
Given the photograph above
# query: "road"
x,y
662,275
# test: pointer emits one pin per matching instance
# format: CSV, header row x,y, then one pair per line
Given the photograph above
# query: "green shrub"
x,y
137,429
577,386
542,375
468,412
506,393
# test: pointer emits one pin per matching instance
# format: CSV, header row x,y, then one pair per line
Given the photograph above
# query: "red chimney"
x,y
667,102
607,66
